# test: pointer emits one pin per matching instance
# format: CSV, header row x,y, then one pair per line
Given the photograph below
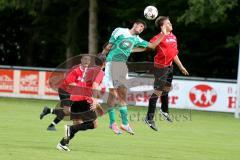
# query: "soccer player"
x,y
118,49
72,78
84,107
166,54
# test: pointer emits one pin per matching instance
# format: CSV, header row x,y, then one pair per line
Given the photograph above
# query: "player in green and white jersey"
x,y
121,44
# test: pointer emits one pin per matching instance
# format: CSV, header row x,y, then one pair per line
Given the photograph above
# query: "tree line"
x,y
44,33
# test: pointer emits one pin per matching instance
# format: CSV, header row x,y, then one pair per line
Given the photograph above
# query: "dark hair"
x,y
138,21
159,21
100,59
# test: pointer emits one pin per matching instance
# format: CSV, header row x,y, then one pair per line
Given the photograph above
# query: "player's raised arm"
x,y
162,34
138,49
154,44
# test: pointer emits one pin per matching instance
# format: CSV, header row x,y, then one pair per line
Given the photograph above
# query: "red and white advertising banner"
x,y
185,94
6,80
52,81
29,81
189,94
202,95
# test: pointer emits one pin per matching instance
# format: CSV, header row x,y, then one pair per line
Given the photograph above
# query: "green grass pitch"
x,y
194,135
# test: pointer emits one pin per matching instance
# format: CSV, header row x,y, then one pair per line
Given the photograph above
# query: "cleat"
x,y
166,116
51,128
127,128
115,128
151,124
62,147
65,142
45,111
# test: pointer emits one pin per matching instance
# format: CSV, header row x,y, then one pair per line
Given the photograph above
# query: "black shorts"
x,y
64,98
163,77
81,110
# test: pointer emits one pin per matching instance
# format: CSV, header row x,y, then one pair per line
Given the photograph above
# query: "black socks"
x,y
152,106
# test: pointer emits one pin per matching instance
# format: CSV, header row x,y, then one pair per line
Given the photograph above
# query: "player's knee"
x,y
122,97
122,102
77,121
67,110
90,125
112,93
167,87
158,93
95,124
60,114
111,102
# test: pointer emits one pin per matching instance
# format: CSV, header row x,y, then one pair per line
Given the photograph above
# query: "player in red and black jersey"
x,y
166,54
73,76
84,107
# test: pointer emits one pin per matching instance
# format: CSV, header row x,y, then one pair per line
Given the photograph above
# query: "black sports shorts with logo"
x,y
163,77
81,110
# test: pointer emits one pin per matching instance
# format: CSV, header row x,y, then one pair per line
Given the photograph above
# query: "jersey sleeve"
x,y
114,35
141,43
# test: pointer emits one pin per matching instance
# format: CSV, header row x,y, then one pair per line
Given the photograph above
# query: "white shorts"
x,y
116,74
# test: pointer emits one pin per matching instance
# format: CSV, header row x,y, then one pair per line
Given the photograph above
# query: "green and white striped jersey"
x,y
123,43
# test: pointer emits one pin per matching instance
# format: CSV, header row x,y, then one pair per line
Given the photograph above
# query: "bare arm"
x,y
150,45
95,89
180,66
138,49
154,44
95,105
95,95
107,49
162,34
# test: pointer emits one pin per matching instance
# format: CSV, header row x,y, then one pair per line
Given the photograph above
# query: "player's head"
x,y
138,26
163,20
100,60
85,60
